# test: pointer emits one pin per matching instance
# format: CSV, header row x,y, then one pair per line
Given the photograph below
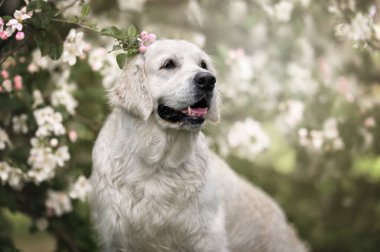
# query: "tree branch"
x,y
77,24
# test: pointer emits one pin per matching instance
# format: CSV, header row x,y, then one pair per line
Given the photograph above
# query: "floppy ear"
x,y
131,91
213,114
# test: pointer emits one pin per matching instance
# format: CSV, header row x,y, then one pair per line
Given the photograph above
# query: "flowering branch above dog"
x,y
130,41
39,20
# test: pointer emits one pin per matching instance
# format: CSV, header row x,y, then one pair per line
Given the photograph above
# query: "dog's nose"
x,y
205,81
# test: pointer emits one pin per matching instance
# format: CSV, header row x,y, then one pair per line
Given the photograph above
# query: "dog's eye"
x,y
170,64
203,64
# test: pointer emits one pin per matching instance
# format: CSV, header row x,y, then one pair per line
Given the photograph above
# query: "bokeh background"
x,y
300,85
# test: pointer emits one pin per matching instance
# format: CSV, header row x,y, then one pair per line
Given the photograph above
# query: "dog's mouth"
x,y
194,114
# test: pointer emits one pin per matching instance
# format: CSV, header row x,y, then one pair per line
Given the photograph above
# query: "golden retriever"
x,y
156,185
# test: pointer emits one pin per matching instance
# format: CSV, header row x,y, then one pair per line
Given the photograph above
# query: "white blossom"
x,y
328,138
16,179
5,170
248,138
283,11
62,155
73,47
358,30
330,130
7,84
58,203
43,163
37,97
81,189
41,62
64,98
16,23
293,112
49,122
19,124
97,58
4,139
301,80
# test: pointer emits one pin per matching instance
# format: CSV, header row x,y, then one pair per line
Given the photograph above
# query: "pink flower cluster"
x,y
15,24
6,84
145,39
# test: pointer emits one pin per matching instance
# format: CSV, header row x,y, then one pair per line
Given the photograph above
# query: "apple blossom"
x,y
20,35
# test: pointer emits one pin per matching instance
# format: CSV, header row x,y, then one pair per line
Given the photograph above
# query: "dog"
x,y
156,185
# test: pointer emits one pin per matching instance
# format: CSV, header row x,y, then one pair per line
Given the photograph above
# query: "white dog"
x,y
156,186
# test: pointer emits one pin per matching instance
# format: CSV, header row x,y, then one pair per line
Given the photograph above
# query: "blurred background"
x,y
300,85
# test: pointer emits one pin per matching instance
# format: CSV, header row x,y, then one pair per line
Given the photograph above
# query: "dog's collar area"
x,y
194,114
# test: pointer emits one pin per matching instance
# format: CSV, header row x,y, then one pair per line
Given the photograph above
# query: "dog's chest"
x,y
158,202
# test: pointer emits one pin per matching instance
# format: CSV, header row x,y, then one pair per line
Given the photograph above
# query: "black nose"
x,y
205,81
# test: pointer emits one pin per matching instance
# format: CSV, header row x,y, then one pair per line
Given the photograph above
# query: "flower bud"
x,y
73,136
20,35
4,74
3,36
18,82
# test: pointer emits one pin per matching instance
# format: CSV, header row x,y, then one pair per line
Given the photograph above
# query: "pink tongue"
x,y
200,111
195,111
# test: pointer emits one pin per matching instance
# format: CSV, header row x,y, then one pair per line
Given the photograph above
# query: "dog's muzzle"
x,y
194,114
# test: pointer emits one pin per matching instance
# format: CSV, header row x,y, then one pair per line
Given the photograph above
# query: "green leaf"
x,y
49,42
132,31
85,10
7,18
120,59
112,31
38,5
41,21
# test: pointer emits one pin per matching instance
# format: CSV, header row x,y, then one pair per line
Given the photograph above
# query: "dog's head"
x,y
174,81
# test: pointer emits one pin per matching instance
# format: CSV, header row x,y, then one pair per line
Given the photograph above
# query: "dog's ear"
x,y
131,91
213,114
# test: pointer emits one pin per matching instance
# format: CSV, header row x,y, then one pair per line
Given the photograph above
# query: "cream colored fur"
x,y
157,187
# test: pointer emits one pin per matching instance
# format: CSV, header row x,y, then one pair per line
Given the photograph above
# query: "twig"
x,y
74,23
66,7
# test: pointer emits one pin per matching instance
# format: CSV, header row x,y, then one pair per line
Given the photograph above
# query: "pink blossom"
x,y
5,74
143,34
3,36
1,89
73,136
18,82
20,35
143,48
146,39
152,37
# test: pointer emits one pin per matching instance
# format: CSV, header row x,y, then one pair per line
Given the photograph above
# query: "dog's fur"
x,y
157,187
